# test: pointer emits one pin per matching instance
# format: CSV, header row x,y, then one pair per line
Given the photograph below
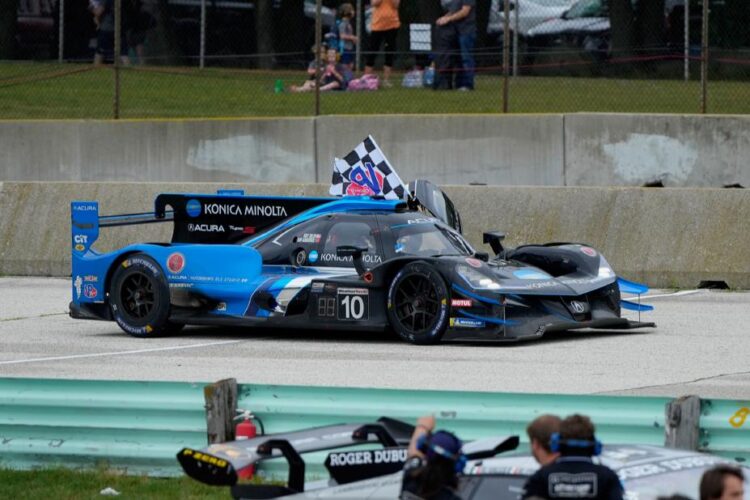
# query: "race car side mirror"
x,y
494,238
355,253
483,256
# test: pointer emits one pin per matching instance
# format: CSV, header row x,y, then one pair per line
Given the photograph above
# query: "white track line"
x,y
118,353
675,294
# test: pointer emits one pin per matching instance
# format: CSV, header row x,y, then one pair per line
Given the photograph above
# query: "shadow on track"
x,y
348,337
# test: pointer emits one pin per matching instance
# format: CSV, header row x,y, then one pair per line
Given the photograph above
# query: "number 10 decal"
x,y
353,303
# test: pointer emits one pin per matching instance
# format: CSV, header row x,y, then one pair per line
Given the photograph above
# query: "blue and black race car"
x,y
359,263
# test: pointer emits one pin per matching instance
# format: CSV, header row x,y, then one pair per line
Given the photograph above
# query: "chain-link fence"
x,y
215,58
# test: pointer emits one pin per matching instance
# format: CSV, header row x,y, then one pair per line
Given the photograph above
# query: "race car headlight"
x,y
605,270
476,279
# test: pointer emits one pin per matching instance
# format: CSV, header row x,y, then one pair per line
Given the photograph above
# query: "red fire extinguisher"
x,y
245,430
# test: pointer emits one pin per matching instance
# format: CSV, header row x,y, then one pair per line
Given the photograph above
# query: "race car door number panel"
x,y
353,304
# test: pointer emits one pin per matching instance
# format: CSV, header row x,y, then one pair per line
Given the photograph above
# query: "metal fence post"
x,y
682,423
116,57
360,23
61,32
506,53
203,35
686,12
221,407
516,15
318,40
704,59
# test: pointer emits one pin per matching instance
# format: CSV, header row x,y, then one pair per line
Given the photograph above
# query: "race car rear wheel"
x,y
418,303
139,297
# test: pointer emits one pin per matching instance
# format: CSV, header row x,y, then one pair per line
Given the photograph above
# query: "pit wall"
x,y
542,150
673,238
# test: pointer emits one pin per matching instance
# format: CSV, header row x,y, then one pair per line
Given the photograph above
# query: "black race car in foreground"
x,y
357,263
495,470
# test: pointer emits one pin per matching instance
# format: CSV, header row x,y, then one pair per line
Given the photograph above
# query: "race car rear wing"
x,y
218,464
224,218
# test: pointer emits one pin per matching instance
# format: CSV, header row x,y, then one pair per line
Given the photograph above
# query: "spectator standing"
x,y
139,22
385,25
573,475
540,432
722,482
104,18
346,37
432,465
457,28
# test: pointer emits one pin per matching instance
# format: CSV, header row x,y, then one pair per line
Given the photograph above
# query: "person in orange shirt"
x,y
385,25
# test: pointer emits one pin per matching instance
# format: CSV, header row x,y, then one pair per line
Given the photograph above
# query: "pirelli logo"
x,y
203,457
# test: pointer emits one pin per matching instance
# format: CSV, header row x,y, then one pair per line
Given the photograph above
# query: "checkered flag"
x,y
365,171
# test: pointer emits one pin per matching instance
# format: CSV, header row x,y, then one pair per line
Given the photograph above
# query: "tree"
x,y
621,18
264,32
8,19
651,25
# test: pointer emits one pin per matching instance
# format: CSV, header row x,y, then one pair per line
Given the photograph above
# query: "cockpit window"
x,y
427,238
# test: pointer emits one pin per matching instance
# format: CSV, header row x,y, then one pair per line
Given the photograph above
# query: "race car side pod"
x,y
637,289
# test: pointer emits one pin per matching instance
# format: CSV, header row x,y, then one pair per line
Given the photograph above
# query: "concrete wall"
x,y
631,150
547,150
489,149
279,150
664,237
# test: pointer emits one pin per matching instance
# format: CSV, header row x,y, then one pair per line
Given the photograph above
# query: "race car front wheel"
x,y
139,297
418,303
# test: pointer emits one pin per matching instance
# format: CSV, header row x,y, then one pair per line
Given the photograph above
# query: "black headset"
x,y
426,446
556,442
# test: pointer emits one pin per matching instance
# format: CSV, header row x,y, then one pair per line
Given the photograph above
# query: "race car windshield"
x,y
429,239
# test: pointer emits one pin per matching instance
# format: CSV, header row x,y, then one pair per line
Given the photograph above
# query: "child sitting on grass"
x,y
331,75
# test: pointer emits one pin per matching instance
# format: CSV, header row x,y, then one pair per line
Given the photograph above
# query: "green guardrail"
x,y
140,426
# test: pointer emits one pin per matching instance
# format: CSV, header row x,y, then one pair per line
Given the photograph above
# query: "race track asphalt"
x,y
701,346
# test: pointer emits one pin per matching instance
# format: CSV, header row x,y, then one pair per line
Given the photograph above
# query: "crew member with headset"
x,y
574,475
433,463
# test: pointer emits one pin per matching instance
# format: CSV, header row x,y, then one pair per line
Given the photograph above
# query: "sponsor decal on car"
x,y
531,274
366,257
89,291
309,238
242,229
421,221
317,287
206,228
462,303
254,210
193,208
313,256
80,241
589,251
578,307
91,278
77,283
367,457
474,262
176,263
203,457
84,208
467,323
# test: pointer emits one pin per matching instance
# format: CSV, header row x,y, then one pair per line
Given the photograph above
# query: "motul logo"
x,y
461,302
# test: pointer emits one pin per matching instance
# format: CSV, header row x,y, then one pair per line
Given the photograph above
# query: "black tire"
x,y
418,304
139,298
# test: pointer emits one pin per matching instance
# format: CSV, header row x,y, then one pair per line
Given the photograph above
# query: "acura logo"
x,y
577,306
